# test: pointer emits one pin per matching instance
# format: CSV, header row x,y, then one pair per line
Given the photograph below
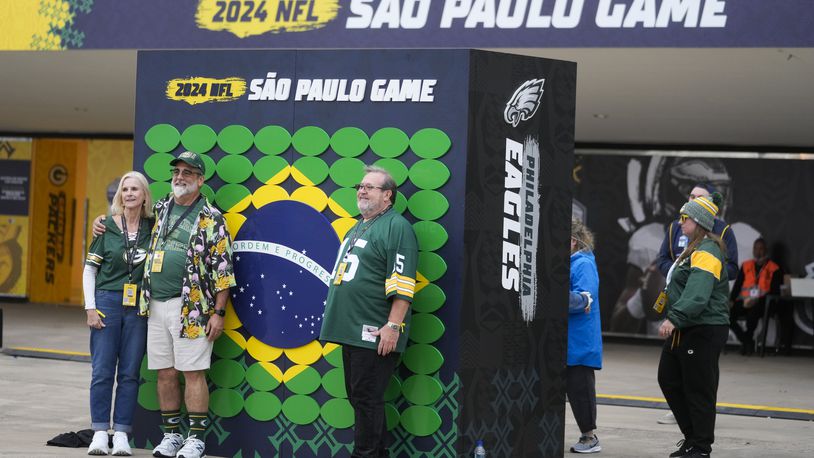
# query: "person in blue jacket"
x,y
584,337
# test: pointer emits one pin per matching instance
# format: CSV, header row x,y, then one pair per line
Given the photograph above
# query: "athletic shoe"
x,y
193,448
695,453
98,446
587,445
169,446
668,419
683,449
121,446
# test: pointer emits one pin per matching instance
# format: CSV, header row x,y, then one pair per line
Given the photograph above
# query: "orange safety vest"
x,y
751,280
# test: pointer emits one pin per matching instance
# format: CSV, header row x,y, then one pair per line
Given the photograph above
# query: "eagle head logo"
x,y
524,102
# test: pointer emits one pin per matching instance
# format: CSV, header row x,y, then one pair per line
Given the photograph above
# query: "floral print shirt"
x,y
208,267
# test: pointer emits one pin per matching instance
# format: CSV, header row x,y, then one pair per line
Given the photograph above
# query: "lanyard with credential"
x,y
165,233
130,252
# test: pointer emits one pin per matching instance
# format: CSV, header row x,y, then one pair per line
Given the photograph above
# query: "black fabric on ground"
x,y
72,439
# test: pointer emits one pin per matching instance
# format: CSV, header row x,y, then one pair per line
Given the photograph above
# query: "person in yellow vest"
x,y
757,278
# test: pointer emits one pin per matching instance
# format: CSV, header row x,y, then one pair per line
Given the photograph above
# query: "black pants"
x,y
688,377
581,389
366,377
753,315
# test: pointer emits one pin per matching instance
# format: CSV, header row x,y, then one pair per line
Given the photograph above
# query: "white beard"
x,y
180,190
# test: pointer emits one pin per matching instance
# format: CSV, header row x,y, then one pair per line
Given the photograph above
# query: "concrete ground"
x,y
40,398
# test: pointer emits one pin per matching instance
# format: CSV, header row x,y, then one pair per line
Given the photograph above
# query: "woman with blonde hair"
x,y
113,270
696,327
584,337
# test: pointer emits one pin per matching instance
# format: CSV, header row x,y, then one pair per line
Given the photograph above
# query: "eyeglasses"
x,y
367,187
683,218
186,173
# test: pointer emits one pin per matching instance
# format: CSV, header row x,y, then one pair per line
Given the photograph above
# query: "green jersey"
x,y
167,283
376,263
698,292
106,253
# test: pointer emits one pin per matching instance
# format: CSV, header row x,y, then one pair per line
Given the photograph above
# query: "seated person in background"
x,y
757,278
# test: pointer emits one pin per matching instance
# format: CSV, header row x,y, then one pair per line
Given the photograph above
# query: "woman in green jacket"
x,y
695,328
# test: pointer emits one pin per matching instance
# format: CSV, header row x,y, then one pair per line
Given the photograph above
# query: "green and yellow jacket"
x,y
698,293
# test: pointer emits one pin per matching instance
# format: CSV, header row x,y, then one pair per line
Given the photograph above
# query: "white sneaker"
x,y
193,448
98,446
169,446
668,419
121,445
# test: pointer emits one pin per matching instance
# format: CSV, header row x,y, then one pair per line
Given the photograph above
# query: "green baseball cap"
x,y
191,159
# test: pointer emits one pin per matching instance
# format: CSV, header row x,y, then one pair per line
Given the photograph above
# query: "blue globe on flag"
x,y
283,257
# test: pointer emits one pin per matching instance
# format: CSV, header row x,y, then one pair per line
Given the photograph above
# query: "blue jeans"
x,y
116,351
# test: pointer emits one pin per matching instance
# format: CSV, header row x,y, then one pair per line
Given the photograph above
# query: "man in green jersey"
x,y
368,306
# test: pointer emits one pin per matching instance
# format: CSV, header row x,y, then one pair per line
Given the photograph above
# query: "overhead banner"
x,y
628,200
284,136
15,187
158,24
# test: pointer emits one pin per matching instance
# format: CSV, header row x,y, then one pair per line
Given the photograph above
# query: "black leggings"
x,y
688,376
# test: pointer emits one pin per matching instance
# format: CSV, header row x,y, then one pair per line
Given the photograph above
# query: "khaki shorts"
x,y
165,346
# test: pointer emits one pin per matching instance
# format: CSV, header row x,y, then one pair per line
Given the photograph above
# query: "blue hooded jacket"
x,y
584,329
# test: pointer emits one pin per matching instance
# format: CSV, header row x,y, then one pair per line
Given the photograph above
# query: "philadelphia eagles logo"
x,y
524,102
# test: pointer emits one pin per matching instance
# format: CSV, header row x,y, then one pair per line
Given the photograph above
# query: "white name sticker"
x,y
367,333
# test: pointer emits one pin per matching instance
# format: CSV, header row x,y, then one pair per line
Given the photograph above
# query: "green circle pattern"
x,y
259,378
333,382
209,165
428,205
389,142
148,396
431,235
430,143
337,413
306,382
162,138
235,139
234,169
396,168
226,348
158,167
429,174
429,299
225,402
314,168
349,141
199,138
159,189
268,166
310,141
262,406
347,172
226,373
272,140
300,409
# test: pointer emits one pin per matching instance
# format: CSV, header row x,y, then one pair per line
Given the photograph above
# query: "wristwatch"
x,y
220,312
393,326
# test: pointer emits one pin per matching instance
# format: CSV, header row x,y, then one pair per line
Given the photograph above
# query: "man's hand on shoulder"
x,y
99,226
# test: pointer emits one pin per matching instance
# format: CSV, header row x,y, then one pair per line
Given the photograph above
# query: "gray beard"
x,y
180,191
367,209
